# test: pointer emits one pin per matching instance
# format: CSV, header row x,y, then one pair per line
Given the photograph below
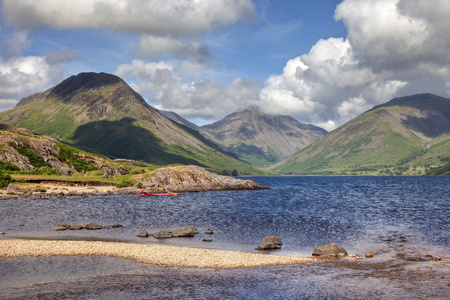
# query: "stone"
x,y
330,249
270,242
143,233
183,232
369,255
436,258
116,225
12,188
209,231
352,256
162,234
2,233
75,226
206,240
193,228
93,226
60,227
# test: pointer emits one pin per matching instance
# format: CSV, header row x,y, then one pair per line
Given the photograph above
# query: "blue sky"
x,y
322,62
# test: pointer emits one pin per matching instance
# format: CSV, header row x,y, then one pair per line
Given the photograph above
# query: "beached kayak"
x,y
156,194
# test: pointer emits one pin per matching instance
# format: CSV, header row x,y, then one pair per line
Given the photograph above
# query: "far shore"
x,y
159,255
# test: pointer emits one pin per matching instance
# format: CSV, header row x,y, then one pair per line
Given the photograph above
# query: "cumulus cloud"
x,y
393,48
20,77
153,17
162,84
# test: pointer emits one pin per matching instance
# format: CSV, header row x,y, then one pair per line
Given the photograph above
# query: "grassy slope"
x,y
374,143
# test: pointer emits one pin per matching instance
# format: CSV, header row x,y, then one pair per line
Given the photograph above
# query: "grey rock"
x,y
193,228
270,242
143,233
93,226
183,232
75,226
61,227
162,234
12,188
330,249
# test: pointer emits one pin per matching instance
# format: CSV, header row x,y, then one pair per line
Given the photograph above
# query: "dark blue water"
x,y
354,212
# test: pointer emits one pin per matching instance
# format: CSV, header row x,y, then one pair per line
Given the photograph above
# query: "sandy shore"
x,y
166,256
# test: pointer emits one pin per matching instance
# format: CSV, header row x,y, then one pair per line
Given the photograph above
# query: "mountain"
x,y
100,113
259,138
407,135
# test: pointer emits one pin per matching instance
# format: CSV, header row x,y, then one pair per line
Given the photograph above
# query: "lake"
x,y
361,214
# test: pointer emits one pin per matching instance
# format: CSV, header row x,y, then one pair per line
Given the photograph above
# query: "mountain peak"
x,y
84,82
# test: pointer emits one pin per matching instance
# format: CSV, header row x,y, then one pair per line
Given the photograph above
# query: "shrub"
x,y
5,180
125,183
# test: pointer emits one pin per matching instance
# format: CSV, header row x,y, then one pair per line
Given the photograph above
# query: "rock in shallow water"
x,y
270,242
164,234
330,249
60,227
143,233
93,226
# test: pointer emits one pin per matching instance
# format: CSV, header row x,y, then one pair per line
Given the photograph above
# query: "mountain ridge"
x,y
100,113
399,137
261,138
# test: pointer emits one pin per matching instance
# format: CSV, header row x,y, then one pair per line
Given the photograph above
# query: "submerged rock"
x,y
330,249
270,242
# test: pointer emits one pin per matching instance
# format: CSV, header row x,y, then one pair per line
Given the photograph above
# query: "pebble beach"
x,y
159,255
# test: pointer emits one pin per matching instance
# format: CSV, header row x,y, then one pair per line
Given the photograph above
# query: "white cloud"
x,y
393,48
22,76
155,46
153,17
162,84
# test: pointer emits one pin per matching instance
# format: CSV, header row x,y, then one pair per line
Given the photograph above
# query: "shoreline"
x,y
158,255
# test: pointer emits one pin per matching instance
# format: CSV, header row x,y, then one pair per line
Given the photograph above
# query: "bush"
x,y
5,180
125,183
42,171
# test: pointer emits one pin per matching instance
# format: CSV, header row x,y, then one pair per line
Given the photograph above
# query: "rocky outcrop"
x,y
194,179
270,242
330,249
12,139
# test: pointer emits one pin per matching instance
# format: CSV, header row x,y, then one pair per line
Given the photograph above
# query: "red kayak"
x,y
157,194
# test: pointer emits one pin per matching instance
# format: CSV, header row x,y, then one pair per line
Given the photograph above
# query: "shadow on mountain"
x,y
122,139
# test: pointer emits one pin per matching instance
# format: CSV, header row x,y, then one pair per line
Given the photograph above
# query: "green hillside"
x,y
100,113
408,135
